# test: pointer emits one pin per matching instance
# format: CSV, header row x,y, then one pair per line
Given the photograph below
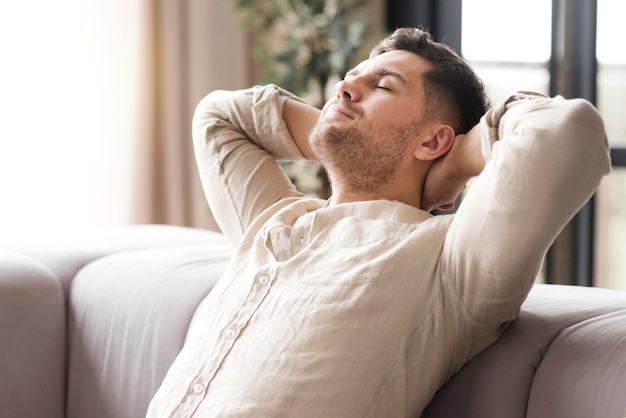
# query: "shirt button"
x,y
230,333
198,388
264,279
301,240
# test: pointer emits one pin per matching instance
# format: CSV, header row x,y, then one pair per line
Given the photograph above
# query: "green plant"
x,y
303,43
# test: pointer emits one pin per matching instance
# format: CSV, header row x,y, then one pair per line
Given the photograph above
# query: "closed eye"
x,y
383,88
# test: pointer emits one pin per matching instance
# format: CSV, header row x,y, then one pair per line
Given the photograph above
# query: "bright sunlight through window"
x,y
67,98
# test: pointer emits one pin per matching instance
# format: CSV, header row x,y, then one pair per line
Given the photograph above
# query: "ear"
x,y
438,142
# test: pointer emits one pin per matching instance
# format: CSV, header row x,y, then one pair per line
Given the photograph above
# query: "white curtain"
x,y
197,46
95,108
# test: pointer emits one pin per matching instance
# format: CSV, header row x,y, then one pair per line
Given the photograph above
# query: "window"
x,y
522,55
509,60
610,266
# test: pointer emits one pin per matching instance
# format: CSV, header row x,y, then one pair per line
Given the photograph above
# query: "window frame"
x,y
573,73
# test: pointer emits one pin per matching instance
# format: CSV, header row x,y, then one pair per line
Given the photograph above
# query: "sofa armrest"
x,y
32,339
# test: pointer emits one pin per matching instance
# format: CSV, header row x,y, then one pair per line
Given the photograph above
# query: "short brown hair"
x,y
454,92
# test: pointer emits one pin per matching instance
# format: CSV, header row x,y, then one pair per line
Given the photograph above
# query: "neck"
x,y
405,185
409,194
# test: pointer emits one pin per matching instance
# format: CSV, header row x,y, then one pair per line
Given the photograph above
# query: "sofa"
x,y
91,320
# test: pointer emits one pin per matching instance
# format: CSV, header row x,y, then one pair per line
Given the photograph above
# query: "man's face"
x,y
364,131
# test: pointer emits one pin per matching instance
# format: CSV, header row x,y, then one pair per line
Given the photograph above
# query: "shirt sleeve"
x,y
239,136
545,158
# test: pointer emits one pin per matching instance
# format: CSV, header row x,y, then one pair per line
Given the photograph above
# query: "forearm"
x,y
256,114
465,158
300,119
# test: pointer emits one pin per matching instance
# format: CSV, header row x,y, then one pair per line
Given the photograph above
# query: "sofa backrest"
x,y
565,356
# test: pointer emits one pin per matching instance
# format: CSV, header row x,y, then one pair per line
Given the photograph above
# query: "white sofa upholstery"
x,y
91,321
89,324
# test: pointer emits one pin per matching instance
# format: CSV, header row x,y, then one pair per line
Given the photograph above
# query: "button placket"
x,y
243,315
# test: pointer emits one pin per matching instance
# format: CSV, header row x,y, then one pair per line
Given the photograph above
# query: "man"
x,y
366,304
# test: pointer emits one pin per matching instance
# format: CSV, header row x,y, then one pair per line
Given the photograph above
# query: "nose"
x,y
348,90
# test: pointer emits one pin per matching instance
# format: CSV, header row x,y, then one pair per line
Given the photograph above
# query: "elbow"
x,y
207,115
583,110
574,134
586,123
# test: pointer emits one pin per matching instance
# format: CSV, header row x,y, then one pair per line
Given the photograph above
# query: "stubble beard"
x,y
361,160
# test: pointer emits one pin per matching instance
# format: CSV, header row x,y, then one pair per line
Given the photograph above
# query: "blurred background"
x,y
96,97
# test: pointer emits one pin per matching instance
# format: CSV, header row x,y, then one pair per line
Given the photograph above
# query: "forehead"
x,y
409,65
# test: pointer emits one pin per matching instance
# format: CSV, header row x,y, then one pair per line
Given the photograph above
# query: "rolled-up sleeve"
x,y
238,138
545,158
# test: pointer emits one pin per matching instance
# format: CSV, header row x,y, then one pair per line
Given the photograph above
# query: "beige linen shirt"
x,y
365,309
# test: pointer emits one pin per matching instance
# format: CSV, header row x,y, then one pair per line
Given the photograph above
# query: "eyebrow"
x,y
381,72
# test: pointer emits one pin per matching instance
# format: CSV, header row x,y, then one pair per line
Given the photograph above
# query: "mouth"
x,y
340,110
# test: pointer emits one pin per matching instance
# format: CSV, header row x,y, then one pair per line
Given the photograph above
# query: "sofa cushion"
x,y
500,381
129,314
583,373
